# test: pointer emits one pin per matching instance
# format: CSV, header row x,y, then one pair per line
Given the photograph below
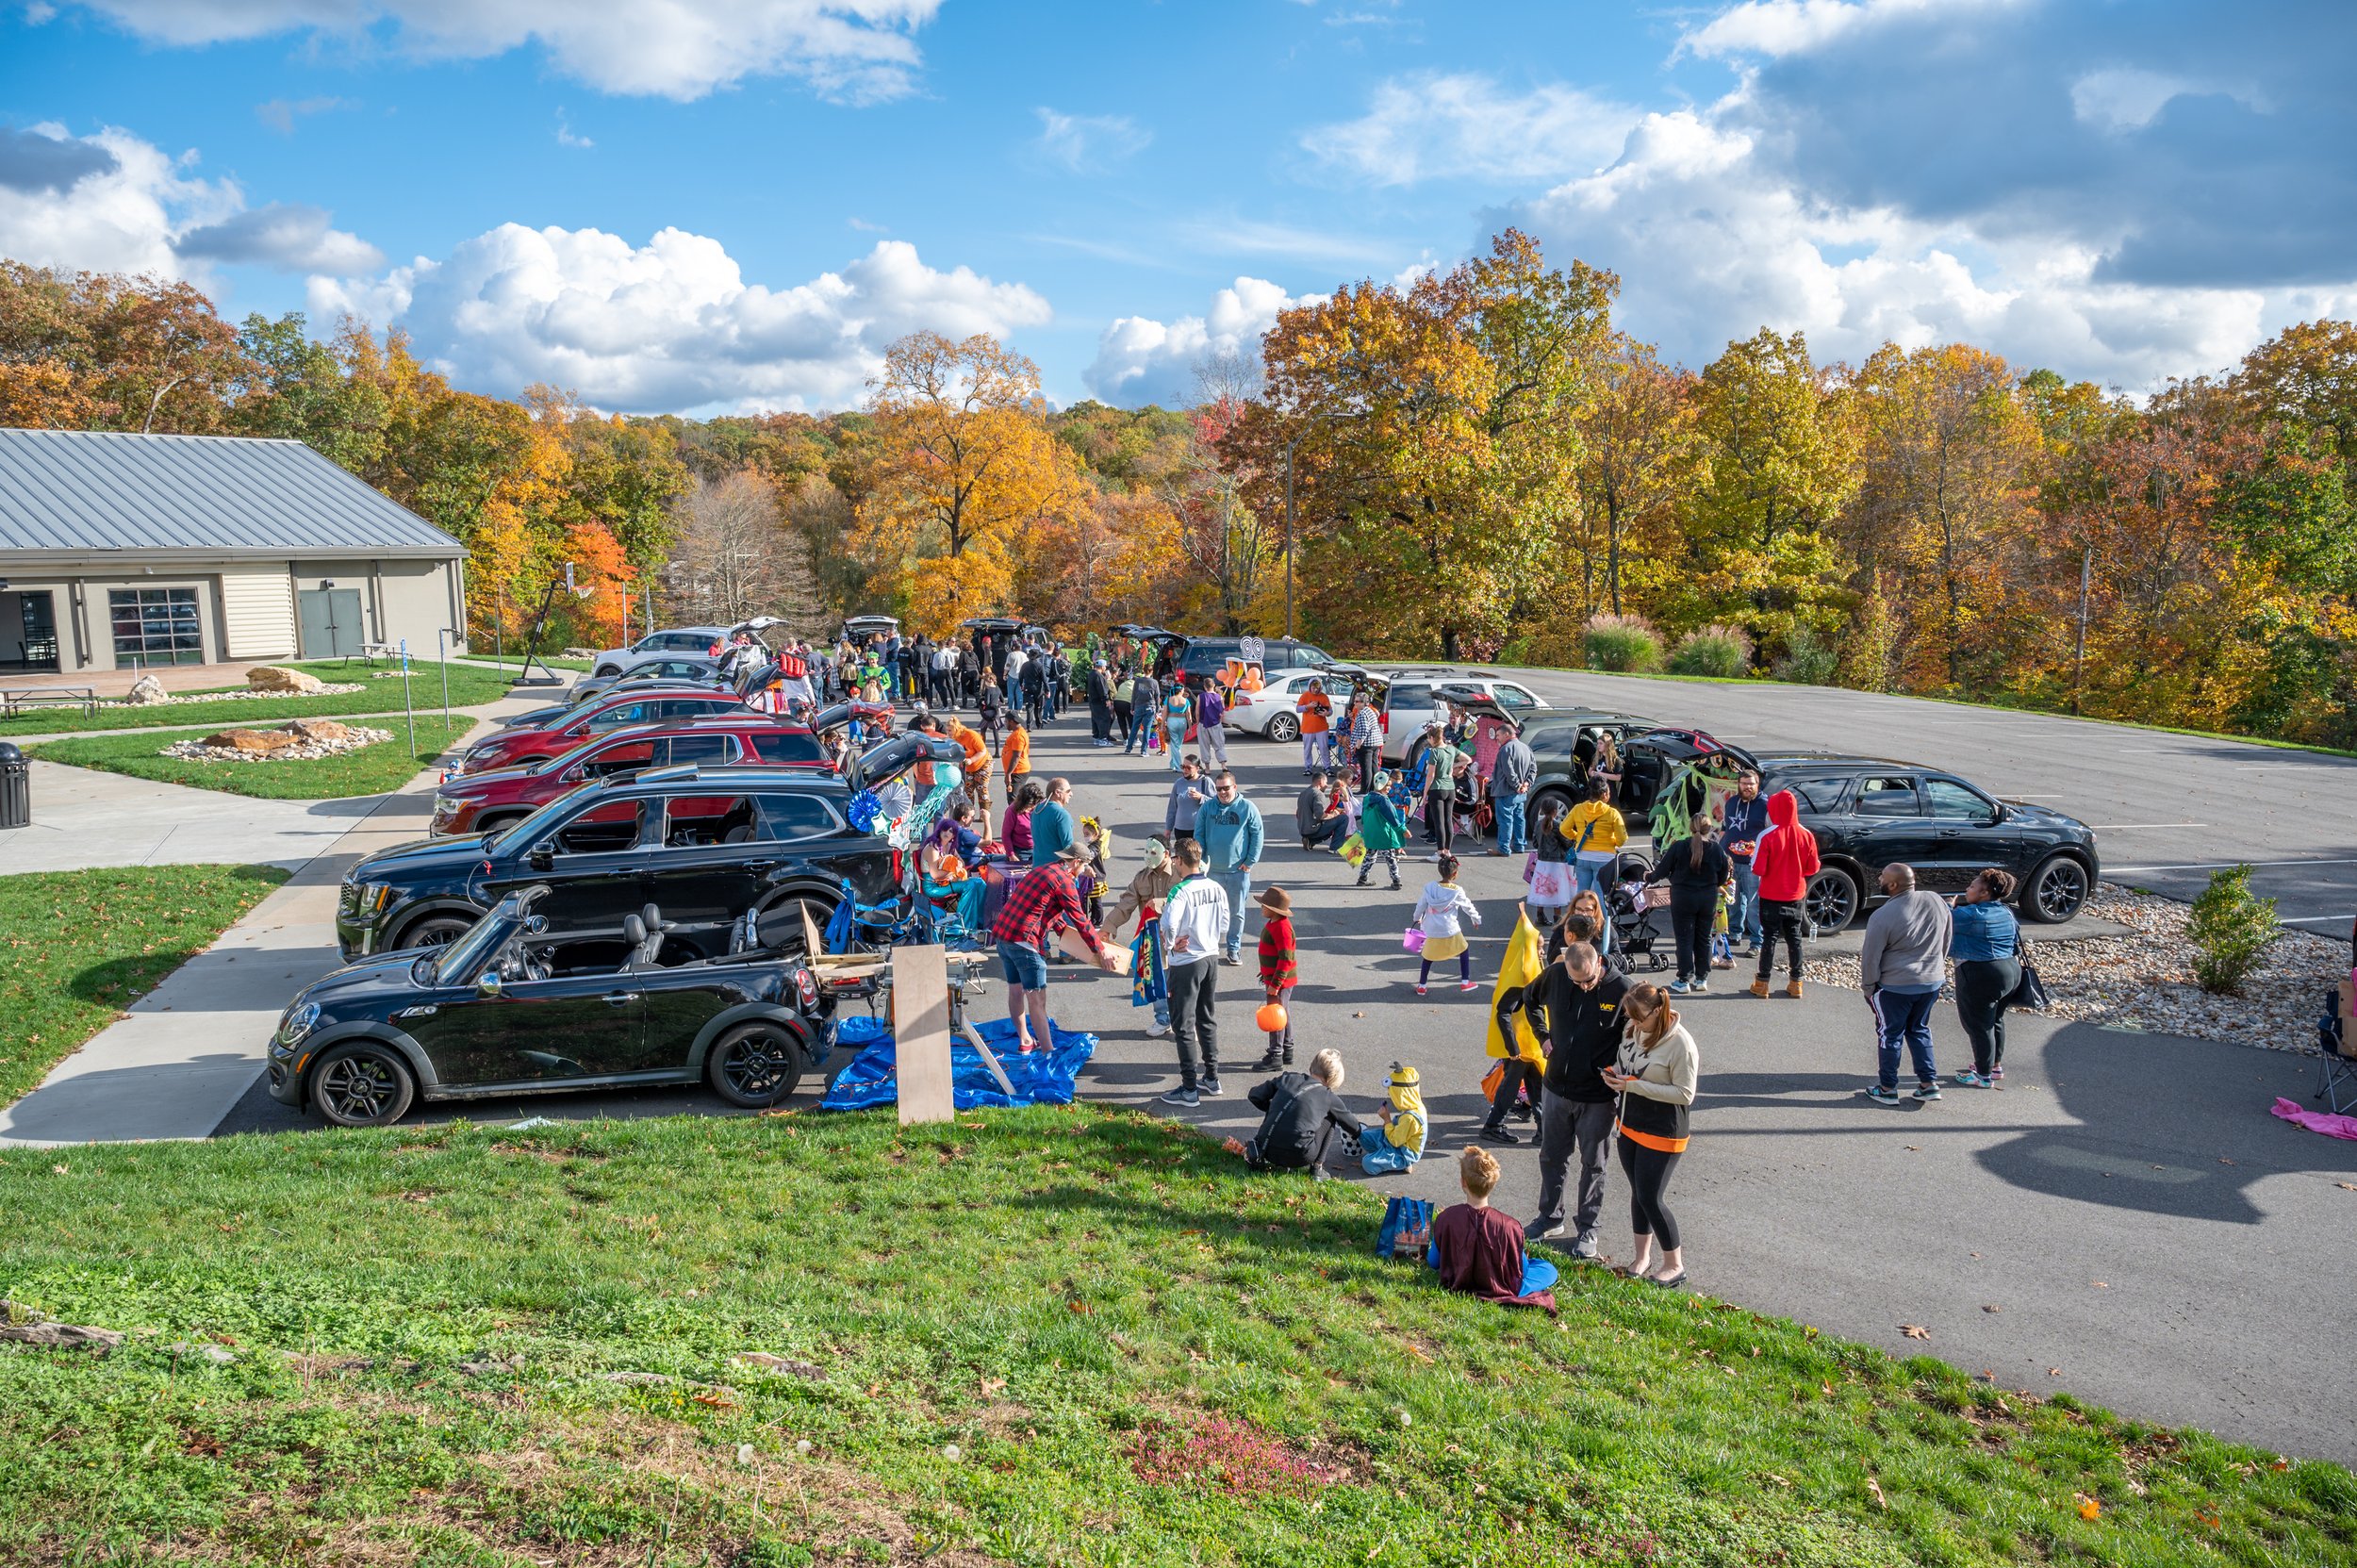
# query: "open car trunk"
x,y
886,761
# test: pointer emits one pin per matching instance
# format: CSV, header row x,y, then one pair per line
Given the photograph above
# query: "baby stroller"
x,y
1634,937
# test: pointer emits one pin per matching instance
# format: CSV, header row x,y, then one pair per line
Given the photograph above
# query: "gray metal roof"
x,y
74,490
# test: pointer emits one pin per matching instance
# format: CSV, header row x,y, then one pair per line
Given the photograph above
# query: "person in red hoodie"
x,y
1784,861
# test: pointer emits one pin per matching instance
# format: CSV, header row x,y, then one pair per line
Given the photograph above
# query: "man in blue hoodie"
x,y
1744,818
1228,828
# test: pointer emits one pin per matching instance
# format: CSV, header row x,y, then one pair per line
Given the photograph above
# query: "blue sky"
x,y
734,203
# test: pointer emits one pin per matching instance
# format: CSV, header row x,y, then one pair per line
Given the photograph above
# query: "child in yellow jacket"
x,y
1595,831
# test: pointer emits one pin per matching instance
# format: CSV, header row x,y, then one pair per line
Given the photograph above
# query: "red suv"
x,y
565,728
484,803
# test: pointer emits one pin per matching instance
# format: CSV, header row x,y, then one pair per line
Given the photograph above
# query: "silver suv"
x,y
692,641
1408,705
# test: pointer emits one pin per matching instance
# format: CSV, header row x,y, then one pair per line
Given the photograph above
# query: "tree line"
x,y
1482,465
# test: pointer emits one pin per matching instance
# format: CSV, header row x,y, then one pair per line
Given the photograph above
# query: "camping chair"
x,y
2337,1083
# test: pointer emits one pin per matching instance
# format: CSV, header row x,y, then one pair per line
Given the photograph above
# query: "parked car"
x,y
1206,656
505,1011
1269,712
487,801
707,845
1867,813
670,669
696,640
555,730
1409,705
859,628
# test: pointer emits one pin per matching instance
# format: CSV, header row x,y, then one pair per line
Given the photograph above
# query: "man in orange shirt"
x,y
977,785
1317,726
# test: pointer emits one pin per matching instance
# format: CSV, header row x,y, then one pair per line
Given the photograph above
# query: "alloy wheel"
x,y
1284,729
2060,889
1832,901
760,1064
361,1088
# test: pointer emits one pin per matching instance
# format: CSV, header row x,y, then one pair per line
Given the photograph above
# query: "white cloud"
x,y
859,50
292,237
1088,143
669,325
280,114
1465,127
1141,360
1779,28
566,136
107,201
2125,99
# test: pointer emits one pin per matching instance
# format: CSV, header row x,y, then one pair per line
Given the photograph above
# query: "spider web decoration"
x,y
948,778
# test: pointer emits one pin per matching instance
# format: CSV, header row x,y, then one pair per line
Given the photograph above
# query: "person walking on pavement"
x,y
1785,861
1194,917
1984,940
1442,762
1228,828
1596,834
1177,714
1211,725
1279,973
1513,1043
1144,898
1187,794
1032,684
1695,868
1511,775
1442,910
1059,683
1576,1004
1901,969
1146,712
1366,740
1124,683
1654,1076
1101,695
1383,829
1742,819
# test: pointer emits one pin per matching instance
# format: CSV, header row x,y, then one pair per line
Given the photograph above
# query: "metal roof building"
x,y
120,551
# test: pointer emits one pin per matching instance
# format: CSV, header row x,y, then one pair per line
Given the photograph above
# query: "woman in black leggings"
x,y
1986,941
1696,868
1654,1076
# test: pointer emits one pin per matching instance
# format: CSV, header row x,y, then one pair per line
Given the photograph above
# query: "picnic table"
x,y
17,699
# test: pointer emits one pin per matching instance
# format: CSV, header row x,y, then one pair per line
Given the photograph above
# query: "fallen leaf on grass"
x,y
1915,1331
1876,1488
992,1385
2089,1506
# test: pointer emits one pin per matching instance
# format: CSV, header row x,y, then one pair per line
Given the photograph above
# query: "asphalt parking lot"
x,y
2167,809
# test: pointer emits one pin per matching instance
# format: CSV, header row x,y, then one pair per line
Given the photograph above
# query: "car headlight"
x,y
374,896
444,806
298,1023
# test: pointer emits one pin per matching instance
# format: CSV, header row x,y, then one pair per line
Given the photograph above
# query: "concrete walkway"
x,y
84,817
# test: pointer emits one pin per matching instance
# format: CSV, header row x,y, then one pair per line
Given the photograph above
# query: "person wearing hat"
x,y
1038,906
1395,1140
1382,828
1277,973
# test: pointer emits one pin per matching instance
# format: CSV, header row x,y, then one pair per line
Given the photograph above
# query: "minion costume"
x,y
1386,1148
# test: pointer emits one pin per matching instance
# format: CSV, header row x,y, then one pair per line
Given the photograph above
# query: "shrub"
x,y
1721,653
1808,660
2231,929
1623,644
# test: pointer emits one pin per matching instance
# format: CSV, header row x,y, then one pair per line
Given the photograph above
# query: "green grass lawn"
x,y
371,771
469,687
454,1345
78,946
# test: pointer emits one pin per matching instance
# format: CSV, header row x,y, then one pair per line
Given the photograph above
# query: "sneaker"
x,y
1497,1135
1538,1230
1524,1114
1269,1062
1679,987
1420,988
1996,1071
1230,959
1881,1095
1927,1091
1210,1084
1971,1079
1182,1095
1468,984
1360,883
1399,887
1157,1032
1700,987
1584,1249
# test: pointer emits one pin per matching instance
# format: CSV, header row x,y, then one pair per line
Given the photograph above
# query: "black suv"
x,y
1867,813
1208,656
707,845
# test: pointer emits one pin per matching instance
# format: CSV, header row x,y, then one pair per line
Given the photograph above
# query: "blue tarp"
x,y
1043,1078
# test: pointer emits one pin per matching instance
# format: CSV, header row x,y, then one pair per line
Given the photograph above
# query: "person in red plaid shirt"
x,y
1045,899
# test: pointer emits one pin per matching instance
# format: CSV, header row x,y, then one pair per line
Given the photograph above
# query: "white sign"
x,y
1251,650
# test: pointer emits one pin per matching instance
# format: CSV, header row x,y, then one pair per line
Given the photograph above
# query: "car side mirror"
x,y
487,985
542,858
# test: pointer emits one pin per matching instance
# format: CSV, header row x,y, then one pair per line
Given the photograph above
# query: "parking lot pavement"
x,y
2167,809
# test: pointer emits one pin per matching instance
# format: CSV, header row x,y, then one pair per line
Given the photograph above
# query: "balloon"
x,y
1270,1018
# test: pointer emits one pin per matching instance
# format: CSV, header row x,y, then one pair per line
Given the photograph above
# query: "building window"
x,y
156,626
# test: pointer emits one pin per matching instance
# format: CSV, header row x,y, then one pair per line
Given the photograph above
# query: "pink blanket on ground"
x,y
2316,1121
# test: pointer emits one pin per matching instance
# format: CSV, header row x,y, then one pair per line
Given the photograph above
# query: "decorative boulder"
x,y
318,729
259,741
269,677
146,692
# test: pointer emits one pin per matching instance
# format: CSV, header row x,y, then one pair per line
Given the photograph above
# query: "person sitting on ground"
x,y
1302,1116
1394,1139
1478,1249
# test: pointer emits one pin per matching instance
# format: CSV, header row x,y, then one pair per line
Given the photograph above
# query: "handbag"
x,y
1407,1227
2029,992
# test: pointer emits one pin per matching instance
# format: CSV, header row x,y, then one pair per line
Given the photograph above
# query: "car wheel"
x,y
1543,804
2055,891
1284,729
435,931
1831,902
606,672
756,1065
362,1085
1415,756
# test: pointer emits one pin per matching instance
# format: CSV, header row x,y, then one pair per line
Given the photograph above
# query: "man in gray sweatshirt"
x,y
1904,964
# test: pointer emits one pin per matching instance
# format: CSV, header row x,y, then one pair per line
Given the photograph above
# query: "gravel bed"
x,y
307,751
326,689
2145,981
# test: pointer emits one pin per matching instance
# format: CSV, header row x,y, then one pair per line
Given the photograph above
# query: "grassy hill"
x,y
1052,1336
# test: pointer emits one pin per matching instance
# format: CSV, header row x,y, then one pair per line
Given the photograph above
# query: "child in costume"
x,y
1394,1141
1277,973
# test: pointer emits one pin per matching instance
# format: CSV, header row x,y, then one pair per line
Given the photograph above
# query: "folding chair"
x,y
2337,1083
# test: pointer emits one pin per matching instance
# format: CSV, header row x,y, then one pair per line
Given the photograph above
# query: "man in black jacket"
x,y
1575,1002
1302,1113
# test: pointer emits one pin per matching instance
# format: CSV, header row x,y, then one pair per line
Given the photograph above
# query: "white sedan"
x,y
1269,712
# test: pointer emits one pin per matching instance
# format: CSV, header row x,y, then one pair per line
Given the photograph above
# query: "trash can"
x,y
16,788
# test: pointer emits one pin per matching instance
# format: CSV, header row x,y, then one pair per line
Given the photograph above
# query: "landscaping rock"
x,y
783,1366
248,742
270,678
146,692
73,1336
320,729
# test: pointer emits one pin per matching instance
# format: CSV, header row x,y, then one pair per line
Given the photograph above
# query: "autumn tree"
x,y
1639,454
735,556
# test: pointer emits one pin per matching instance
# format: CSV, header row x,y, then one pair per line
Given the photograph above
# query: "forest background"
x,y
1481,465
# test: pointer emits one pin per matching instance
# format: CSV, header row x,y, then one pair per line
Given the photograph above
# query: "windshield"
x,y
464,956
533,827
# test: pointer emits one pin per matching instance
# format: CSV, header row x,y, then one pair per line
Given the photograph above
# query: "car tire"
x,y
604,673
433,931
2055,891
755,1065
1284,729
361,1085
1831,902
1414,755
1534,815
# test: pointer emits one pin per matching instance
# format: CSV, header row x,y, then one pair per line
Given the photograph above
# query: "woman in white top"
x,y
1440,908
1654,1077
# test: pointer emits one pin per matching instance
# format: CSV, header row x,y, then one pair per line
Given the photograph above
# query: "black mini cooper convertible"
x,y
500,1012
